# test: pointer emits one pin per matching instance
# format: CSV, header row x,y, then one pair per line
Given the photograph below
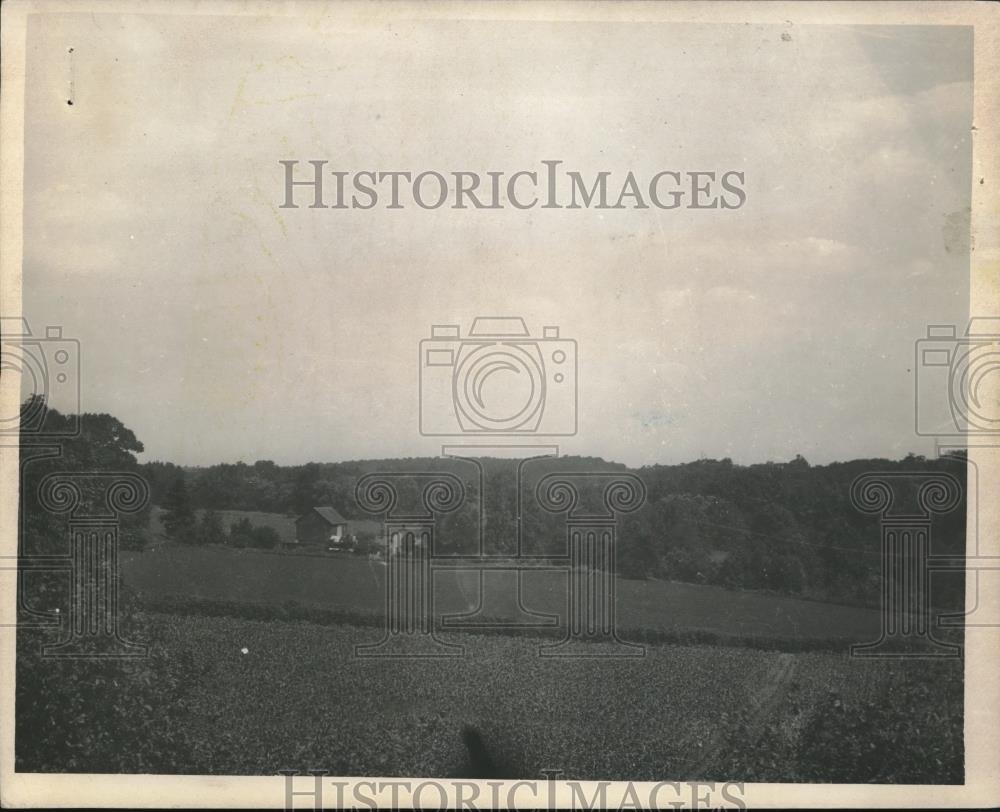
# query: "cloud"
x,y
152,229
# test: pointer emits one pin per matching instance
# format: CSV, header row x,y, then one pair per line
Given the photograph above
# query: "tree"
x,y
210,529
179,518
304,489
241,533
264,537
87,443
365,542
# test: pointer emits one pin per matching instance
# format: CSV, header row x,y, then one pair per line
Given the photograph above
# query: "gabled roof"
x,y
328,514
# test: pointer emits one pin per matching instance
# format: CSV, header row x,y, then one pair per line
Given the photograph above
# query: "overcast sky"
x,y
220,327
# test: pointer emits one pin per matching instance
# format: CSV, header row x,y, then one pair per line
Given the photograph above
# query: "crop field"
x,y
231,696
352,583
239,683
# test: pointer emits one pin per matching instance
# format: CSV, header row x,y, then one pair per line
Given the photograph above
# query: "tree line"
x,y
787,527
182,523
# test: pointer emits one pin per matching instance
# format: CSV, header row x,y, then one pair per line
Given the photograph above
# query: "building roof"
x,y
328,514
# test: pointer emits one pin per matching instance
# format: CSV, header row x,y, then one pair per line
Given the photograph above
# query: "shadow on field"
x,y
482,764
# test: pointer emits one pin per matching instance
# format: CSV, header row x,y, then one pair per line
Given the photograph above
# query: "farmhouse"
x,y
321,525
325,526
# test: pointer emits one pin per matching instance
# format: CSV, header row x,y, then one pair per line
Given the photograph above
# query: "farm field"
x,y
348,582
248,697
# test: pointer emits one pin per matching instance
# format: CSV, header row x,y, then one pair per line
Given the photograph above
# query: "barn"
x,y
321,525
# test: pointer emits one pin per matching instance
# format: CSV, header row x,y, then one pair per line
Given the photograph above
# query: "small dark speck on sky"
x,y
69,102
982,181
786,37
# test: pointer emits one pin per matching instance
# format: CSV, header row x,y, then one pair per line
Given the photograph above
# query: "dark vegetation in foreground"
x,y
292,612
228,695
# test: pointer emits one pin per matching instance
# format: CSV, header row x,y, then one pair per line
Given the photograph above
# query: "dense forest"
x,y
787,527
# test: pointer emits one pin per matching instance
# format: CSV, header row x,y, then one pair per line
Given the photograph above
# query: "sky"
x,y
220,327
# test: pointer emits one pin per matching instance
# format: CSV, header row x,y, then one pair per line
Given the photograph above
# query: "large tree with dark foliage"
x,y
178,517
81,715
101,444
